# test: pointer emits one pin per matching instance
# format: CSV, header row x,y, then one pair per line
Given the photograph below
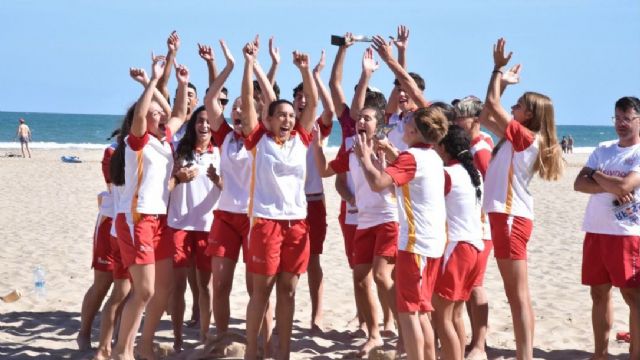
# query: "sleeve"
x,y
403,169
347,124
305,136
137,143
106,161
251,140
223,130
341,163
325,130
447,183
519,136
481,160
592,162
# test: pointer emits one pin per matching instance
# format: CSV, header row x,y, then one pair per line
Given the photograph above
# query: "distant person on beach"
x,y
570,144
612,225
563,144
24,135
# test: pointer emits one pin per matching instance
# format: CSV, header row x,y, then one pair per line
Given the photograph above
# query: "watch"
x,y
591,173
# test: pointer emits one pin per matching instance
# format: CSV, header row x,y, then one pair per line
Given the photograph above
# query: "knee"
x,y
144,294
600,296
222,288
631,296
382,278
286,291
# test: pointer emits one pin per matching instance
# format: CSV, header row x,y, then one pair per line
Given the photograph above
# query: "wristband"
x,y
497,71
591,173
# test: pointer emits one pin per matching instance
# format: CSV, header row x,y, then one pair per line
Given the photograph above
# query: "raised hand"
x,y
256,43
182,73
274,52
139,75
205,52
301,60
499,58
318,68
402,39
363,147
317,136
382,47
173,42
348,40
512,76
212,174
369,63
250,52
158,63
227,53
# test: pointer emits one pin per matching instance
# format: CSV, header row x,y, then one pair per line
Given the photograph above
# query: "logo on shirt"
x,y
145,248
256,259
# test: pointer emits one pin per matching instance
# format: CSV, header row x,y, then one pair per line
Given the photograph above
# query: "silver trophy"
x,y
341,41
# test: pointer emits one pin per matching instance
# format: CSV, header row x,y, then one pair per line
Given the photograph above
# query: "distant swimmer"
x,y
24,134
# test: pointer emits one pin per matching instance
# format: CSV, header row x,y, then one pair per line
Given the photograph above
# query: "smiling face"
x,y
156,120
299,103
282,121
405,103
236,116
203,131
367,122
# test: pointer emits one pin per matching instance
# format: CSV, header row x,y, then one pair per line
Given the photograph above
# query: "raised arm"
x,y
274,52
249,117
211,103
308,116
406,81
369,65
140,76
335,81
267,94
401,42
139,122
498,117
328,111
206,53
179,113
173,44
321,161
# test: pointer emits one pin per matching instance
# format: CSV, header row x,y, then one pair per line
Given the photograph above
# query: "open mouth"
x,y
162,127
284,129
362,131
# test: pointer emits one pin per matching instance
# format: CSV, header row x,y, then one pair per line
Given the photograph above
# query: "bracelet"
x,y
591,173
497,71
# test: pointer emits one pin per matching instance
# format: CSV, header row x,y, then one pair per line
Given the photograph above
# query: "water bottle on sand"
x,y
39,282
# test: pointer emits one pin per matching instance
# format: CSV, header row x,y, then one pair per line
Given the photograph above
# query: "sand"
x,y
47,214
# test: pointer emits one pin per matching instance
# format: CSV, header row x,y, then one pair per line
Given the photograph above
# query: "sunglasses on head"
x,y
224,101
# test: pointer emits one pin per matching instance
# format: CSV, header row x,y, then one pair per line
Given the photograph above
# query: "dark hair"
x,y
448,110
224,91
375,99
457,144
628,102
188,141
297,89
193,87
116,167
257,90
114,133
274,104
417,78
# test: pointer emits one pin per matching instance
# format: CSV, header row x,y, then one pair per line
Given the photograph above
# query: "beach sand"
x,y
47,215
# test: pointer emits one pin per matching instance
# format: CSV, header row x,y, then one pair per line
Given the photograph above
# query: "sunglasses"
x,y
223,101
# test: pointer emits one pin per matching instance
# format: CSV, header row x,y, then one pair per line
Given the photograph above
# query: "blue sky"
x,y
73,56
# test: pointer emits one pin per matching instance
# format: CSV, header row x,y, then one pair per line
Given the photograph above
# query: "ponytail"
x,y
457,144
116,167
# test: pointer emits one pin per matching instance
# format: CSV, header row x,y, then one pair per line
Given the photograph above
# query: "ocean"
x,y
77,131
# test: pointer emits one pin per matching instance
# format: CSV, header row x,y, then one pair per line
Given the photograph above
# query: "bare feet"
x,y
371,344
316,330
102,354
177,344
476,354
84,342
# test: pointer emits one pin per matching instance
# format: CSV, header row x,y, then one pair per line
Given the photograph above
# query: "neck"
x,y
474,131
629,142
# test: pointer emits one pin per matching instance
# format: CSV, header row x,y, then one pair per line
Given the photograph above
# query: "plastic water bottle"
x,y
39,282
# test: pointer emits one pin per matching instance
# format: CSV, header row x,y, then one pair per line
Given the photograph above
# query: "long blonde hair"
x,y
549,164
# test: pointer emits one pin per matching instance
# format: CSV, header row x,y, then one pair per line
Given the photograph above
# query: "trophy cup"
x,y
340,40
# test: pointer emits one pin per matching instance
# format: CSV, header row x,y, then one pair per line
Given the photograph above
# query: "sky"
x,y
73,56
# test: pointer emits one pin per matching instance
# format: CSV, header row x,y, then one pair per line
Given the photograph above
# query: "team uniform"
x,y
190,214
396,123
377,230
506,196
418,176
348,217
278,240
143,203
461,261
230,229
102,259
611,249
481,148
316,209
119,270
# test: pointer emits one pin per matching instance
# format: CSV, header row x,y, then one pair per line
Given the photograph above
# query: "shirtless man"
x,y
24,134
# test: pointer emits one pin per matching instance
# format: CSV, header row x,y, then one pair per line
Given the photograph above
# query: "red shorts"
x,y
278,246
317,221
483,258
348,233
510,235
228,234
458,272
190,246
119,271
611,259
143,242
415,278
379,240
102,253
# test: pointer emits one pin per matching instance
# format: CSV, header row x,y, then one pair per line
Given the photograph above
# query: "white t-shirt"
x,y
464,209
397,122
191,204
235,170
602,216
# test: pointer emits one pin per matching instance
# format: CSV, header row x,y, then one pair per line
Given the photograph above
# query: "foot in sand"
x,y
102,354
371,344
316,330
476,354
84,342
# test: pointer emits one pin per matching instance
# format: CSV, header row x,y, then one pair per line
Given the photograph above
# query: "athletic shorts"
x,y
278,246
415,278
143,242
611,259
317,221
510,235
119,271
379,240
102,254
483,258
458,271
190,246
229,233
348,234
